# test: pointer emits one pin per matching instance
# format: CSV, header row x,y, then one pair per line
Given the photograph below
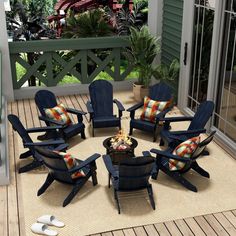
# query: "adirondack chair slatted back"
x,y
17,126
160,92
101,95
45,99
134,173
202,145
56,165
202,115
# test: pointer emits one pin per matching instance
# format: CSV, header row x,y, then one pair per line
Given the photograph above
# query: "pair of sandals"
x,y
41,227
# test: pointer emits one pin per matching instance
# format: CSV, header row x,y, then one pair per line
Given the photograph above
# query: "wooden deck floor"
x,y
11,212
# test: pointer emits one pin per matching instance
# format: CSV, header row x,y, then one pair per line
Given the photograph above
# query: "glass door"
x,y
208,69
225,114
204,12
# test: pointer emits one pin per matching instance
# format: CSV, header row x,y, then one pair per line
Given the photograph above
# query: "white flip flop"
x,y
50,220
39,228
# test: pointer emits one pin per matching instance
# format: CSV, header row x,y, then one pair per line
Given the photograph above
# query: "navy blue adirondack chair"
x,y
100,107
46,99
131,174
162,163
158,92
57,144
58,171
196,127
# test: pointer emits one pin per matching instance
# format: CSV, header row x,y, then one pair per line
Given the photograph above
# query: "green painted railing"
x,y
51,62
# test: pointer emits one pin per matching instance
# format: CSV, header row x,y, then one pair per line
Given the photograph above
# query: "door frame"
x,y
187,37
214,70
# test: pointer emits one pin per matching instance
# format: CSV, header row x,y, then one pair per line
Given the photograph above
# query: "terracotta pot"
x,y
139,92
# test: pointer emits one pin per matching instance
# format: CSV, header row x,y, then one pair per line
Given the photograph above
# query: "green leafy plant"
x,y
91,23
26,21
144,47
168,72
124,19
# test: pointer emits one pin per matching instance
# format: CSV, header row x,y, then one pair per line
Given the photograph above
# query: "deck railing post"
x,y
84,67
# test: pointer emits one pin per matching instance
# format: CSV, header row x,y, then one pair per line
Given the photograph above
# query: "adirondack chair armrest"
x,y
120,106
61,147
109,166
44,129
146,153
46,119
169,155
188,132
46,143
87,162
76,112
134,108
89,107
176,119
162,114
90,110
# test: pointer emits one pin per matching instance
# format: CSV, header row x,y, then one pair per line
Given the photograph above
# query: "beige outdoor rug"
x,y
94,209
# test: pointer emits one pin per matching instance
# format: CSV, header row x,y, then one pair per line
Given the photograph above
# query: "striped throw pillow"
x,y
71,163
185,149
151,108
58,113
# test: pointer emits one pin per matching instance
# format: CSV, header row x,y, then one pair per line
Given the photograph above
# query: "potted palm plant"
x,y
144,47
168,72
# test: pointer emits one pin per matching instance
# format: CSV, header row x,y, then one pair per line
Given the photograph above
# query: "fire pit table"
x,y
117,155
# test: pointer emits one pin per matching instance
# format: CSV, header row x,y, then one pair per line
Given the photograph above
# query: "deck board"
x,y
195,228
161,229
12,214
215,225
3,211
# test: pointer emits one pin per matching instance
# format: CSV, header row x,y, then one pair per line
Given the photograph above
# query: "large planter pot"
x,y
139,92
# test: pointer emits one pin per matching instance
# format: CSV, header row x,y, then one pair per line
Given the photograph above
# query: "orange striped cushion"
x,y
58,113
151,108
71,163
185,149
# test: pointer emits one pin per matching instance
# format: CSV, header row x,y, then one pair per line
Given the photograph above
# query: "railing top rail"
x,y
68,44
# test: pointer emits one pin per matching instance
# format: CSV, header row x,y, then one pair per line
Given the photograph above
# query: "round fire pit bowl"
x,y
118,155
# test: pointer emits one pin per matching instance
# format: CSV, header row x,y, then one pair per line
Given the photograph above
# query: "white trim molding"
x,y
4,166
155,19
185,70
6,72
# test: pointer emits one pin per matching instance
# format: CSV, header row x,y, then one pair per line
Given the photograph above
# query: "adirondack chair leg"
x,y
161,142
94,177
31,166
179,178
154,137
130,131
72,194
150,194
83,135
109,180
46,184
117,200
205,153
92,131
199,170
25,154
